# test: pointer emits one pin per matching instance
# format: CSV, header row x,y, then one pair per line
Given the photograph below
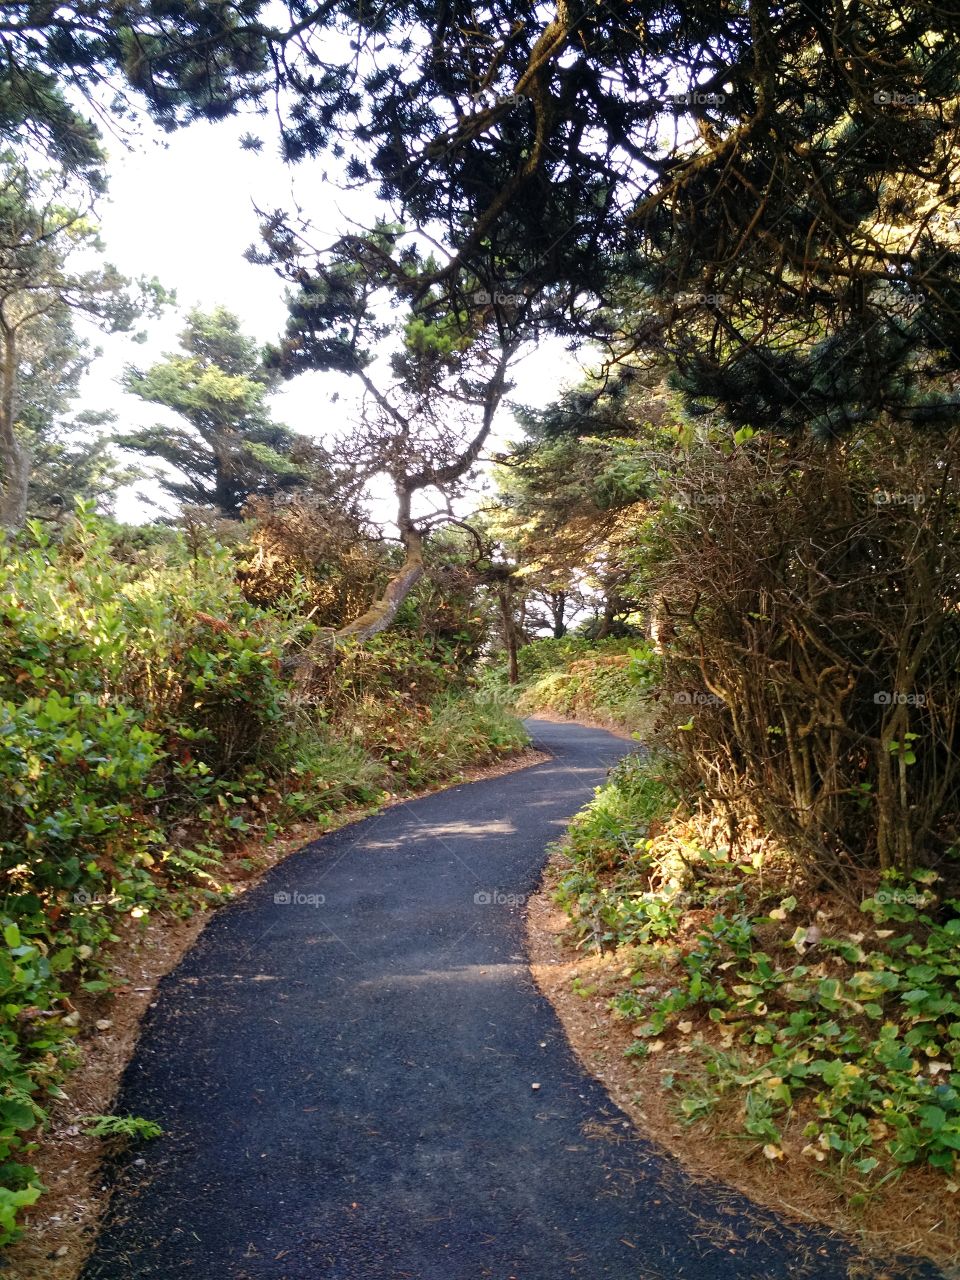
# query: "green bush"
x,y
132,695
423,745
141,692
853,1036
609,680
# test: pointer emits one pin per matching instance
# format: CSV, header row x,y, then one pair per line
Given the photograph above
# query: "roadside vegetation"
x,y
150,726
577,678
773,883
736,536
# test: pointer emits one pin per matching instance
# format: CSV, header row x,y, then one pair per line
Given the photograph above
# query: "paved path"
x,y
345,1083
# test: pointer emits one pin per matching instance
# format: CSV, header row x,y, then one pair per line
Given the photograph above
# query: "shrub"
x,y
847,1033
143,694
814,600
132,694
423,745
606,679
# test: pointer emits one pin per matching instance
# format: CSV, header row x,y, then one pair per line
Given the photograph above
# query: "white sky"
x,y
181,207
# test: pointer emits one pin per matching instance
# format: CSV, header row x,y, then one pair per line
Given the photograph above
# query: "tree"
x,y
428,404
44,246
776,183
70,452
571,491
230,449
201,60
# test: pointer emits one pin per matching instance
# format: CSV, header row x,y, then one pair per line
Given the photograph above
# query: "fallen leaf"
x,y
817,1152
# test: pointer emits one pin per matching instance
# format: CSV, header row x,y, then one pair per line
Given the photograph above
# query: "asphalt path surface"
x,y
344,1064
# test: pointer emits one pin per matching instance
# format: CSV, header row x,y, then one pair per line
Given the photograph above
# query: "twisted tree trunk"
x,y
383,610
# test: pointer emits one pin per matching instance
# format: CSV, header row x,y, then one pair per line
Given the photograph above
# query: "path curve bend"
x,y
344,1068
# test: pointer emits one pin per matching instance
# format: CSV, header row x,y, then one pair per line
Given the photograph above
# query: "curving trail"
x,y
346,1092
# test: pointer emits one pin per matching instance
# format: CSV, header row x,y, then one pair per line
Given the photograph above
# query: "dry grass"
x,y
915,1215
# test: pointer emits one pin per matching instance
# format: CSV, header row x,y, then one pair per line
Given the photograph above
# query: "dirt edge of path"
x,y
910,1219
60,1231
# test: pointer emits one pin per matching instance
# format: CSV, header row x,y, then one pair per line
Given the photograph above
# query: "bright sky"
x,y
181,208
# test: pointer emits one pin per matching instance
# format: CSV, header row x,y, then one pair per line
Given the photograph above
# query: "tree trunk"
x,y
660,628
609,616
505,597
14,455
383,611
380,614
558,607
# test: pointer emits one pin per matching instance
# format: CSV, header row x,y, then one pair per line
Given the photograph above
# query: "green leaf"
x,y
17,1114
831,1072
933,1118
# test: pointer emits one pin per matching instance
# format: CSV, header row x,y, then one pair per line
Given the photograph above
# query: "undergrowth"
x,y
608,680
146,727
829,1030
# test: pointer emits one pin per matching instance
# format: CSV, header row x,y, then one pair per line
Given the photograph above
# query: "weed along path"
x,y
358,1079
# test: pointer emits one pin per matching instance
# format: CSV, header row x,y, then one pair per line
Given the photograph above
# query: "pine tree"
x,y
228,448
776,184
